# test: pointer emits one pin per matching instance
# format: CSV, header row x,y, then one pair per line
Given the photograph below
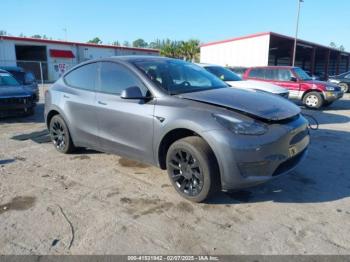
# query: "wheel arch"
x,y
173,135
313,90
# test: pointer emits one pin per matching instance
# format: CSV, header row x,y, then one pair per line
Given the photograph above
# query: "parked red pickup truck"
x,y
313,94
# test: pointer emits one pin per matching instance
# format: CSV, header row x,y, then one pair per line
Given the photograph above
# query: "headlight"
x,y
330,88
241,127
334,81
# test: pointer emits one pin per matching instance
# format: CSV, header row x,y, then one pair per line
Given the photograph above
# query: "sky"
x,y
321,21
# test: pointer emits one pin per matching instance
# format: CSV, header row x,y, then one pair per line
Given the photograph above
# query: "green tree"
x,y
116,43
126,43
36,36
334,45
3,32
190,50
171,48
95,40
140,43
157,44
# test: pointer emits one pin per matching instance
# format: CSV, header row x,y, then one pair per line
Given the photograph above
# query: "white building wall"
x,y
246,52
7,53
88,52
57,66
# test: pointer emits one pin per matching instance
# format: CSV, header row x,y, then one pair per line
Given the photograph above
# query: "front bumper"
x,y
246,161
16,106
331,96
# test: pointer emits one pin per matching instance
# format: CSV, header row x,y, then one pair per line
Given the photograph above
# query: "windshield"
x,y
223,73
302,75
7,80
177,77
19,76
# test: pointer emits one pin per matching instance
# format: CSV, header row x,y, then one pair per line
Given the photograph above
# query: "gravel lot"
x,y
96,203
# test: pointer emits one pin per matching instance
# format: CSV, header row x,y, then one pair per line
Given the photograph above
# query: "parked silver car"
x,y
177,116
236,81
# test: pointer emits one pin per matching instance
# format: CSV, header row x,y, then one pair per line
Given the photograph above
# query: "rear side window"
x,y
257,73
114,78
284,75
271,74
83,77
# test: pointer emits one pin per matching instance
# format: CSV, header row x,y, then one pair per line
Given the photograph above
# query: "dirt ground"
x,y
96,203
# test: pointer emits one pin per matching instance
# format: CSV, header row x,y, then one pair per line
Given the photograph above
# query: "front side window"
x,y
284,75
223,73
177,77
114,78
83,77
7,80
302,75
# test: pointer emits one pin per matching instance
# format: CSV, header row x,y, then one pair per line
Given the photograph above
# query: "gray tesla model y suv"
x,y
179,117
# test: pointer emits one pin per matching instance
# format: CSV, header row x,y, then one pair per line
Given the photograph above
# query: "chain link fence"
x,y
44,72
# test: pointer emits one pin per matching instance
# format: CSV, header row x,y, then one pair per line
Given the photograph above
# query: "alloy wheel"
x,y
58,135
312,101
344,87
186,172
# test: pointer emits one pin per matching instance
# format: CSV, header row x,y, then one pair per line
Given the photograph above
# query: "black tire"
x,y
313,100
344,87
60,135
192,169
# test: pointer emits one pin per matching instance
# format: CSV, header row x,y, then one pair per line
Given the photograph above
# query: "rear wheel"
x,y
313,100
60,135
344,87
192,169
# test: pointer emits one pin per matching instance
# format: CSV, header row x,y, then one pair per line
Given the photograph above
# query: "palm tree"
x,y
190,50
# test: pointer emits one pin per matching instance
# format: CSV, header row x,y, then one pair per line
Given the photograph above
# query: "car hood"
x,y
258,104
317,82
258,85
13,91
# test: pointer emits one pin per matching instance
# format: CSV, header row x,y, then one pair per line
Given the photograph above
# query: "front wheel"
x,y
192,169
313,100
344,87
60,135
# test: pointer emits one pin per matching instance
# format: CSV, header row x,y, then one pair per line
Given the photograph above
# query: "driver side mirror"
x,y
293,79
133,92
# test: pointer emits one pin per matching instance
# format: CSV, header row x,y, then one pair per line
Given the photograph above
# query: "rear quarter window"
x,y
83,77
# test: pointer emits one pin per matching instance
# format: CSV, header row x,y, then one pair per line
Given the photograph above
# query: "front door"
x,y
125,126
284,79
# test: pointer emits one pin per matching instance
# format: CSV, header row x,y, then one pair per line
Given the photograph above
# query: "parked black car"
x,y
238,70
342,80
15,99
25,78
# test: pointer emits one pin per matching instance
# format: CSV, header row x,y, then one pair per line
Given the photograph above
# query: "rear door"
x,y
125,126
79,104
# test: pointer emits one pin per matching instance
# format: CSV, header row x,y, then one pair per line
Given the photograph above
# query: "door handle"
x,y
102,103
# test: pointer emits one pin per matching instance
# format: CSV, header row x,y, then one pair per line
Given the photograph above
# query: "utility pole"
x,y
296,32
